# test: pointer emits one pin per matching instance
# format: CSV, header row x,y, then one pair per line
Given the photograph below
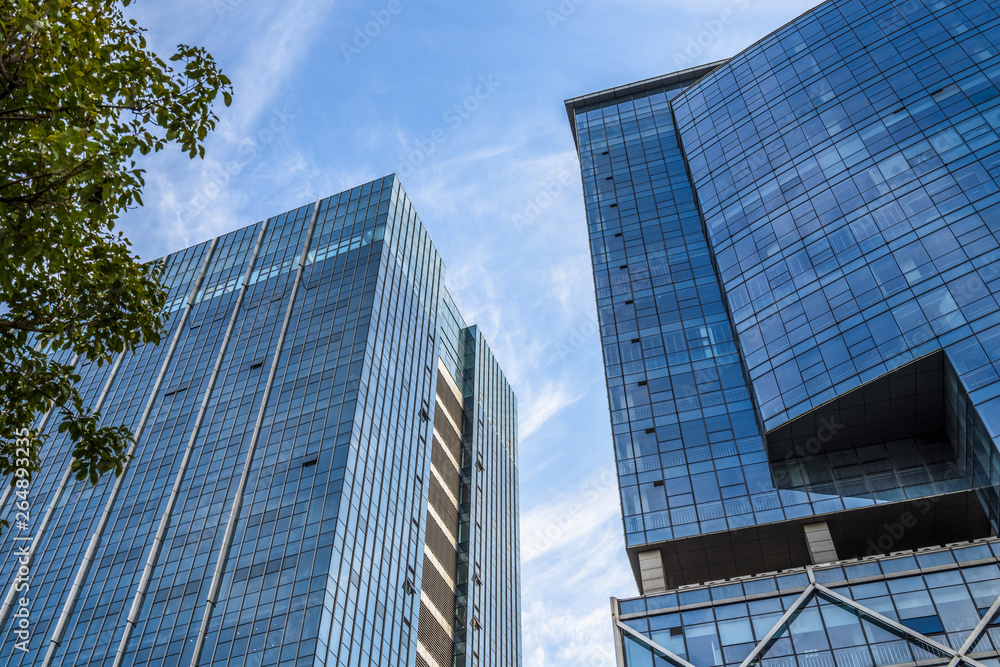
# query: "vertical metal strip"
x,y
227,542
8,602
619,638
161,533
95,540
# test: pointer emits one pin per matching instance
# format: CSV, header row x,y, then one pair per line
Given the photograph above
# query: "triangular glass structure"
x,y
822,628
641,654
829,633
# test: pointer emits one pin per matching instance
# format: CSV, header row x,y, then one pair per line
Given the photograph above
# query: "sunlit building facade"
x,y
797,265
325,470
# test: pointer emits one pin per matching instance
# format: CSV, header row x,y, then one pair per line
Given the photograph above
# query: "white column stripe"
x,y
440,406
8,602
437,518
429,555
447,491
447,453
438,616
450,381
424,653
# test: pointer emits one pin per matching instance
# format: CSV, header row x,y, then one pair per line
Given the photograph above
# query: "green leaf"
x,y
70,283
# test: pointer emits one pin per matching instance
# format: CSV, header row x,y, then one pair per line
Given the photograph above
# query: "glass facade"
x,y
277,507
795,256
690,455
922,608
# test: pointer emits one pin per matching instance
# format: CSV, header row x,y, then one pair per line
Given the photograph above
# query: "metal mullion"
x,y
159,539
8,602
42,423
234,512
619,640
84,568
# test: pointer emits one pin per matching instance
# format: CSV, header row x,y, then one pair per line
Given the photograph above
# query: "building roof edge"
x,y
691,74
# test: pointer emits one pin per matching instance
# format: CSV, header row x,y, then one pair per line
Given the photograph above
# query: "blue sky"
x,y
465,102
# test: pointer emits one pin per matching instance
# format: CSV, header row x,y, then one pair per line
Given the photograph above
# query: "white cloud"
x,y
571,283
541,404
555,636
570,518
193,200
574,561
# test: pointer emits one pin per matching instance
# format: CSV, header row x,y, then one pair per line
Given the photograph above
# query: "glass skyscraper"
x,y
325,470
797,264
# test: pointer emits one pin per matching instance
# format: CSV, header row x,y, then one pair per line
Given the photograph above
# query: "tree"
x,y
80,93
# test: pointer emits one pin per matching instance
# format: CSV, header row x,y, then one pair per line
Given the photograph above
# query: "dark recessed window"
x,y
925,625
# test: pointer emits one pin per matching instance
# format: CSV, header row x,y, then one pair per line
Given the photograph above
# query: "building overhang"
x,y
665,81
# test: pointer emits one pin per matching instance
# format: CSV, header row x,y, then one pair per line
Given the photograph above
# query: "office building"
x,y
325,470
796,265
